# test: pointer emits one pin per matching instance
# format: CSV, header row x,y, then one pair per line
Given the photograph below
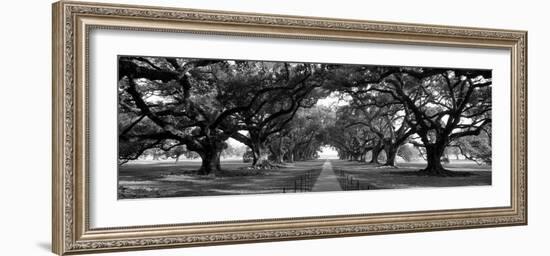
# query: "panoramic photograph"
x,y
212,127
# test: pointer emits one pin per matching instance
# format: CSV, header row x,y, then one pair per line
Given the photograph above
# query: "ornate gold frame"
x,y
73,20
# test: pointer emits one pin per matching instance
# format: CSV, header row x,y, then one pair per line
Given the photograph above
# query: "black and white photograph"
x,y
206,127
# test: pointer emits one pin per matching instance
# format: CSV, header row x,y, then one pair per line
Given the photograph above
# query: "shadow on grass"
x,y
407,175
446,173
157,181
349,182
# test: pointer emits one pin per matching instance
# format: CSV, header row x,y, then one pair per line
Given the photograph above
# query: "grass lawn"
x,y
147,179
404,176
153,179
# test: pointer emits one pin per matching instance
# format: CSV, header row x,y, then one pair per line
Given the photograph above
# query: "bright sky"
x,y
332,100
328,153
234,142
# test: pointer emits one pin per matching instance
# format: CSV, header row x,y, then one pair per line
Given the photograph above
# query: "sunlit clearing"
x,y
334,99
328,153
234,142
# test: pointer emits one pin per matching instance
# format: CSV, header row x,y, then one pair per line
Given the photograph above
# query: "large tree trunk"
x,y
343,156
391,152
210,162
280,152
374,156
434,152
260,156
280,158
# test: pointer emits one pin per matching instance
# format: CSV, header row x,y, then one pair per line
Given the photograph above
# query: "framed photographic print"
x,y
178,127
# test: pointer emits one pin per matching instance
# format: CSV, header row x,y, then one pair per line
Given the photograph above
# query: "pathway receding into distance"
x,y
327,180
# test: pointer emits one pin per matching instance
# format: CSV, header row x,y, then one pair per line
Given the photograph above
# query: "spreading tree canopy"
x,y
181,106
